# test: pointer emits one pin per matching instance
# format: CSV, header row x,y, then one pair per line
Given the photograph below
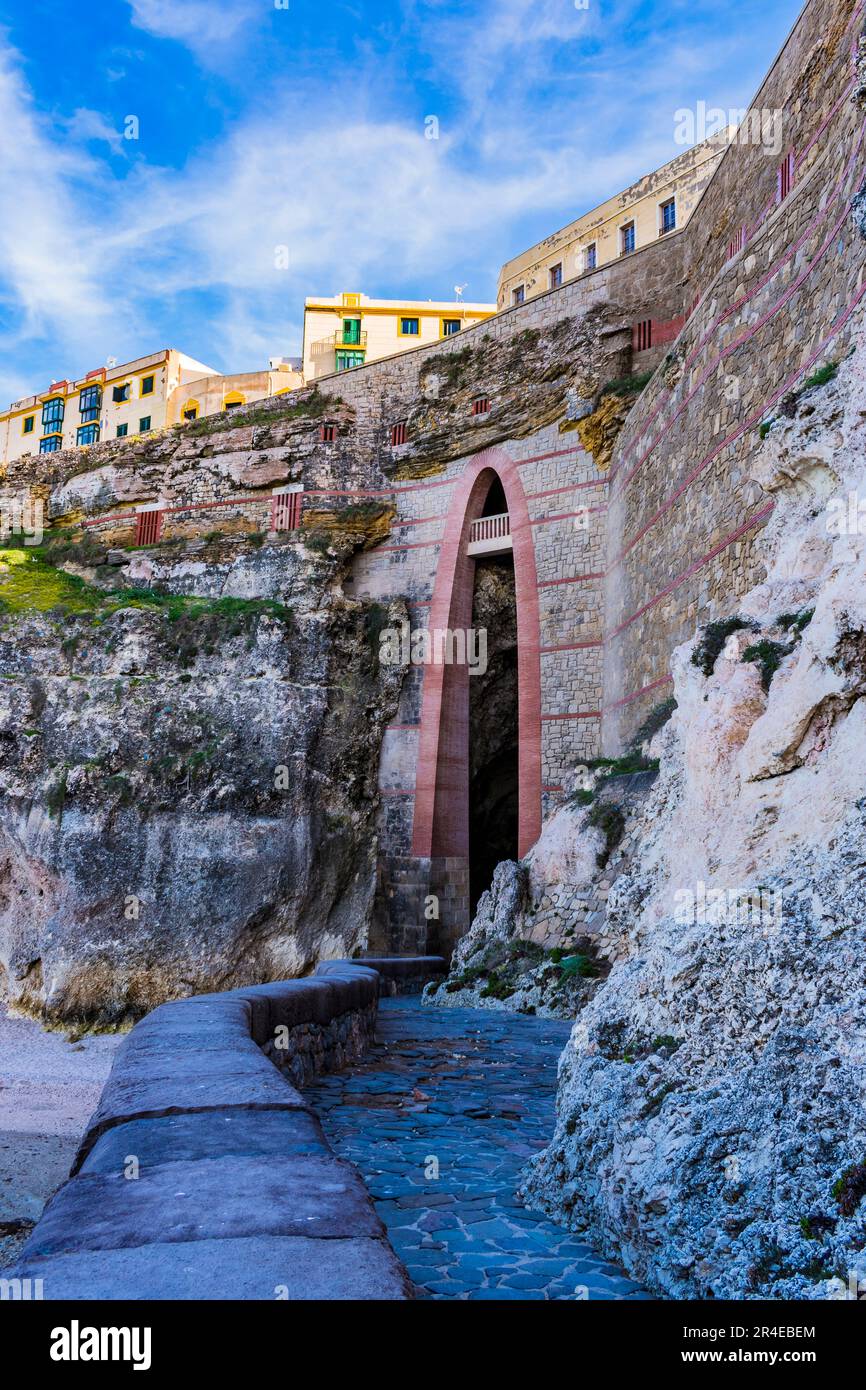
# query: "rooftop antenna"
x,y
458,290
111,361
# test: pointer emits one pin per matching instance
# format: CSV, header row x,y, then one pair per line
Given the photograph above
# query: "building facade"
x,y
658,204
118,402
350,330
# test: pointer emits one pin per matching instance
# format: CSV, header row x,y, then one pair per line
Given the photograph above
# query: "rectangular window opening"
x,y
556,276
626,235
286,510
481,405
667,216
398,434
518,296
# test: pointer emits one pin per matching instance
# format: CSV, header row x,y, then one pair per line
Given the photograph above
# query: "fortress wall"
x,y
683,511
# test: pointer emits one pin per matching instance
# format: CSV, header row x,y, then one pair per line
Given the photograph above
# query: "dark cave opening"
x,y
493,724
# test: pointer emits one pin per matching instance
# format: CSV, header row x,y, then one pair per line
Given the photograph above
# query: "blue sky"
x,y
300,124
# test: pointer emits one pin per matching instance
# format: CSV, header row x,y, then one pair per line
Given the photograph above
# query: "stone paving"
x,y
470,1092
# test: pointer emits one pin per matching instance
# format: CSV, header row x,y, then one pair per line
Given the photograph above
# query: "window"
x,y
52,415
122,431
286,510
234,398
87,434
190,412
27,424
519,295
148,526
481,405
667,216
785,177
590,257
626,239
147,385
450,327
144,424
410,328
90,403
328,434
121,393
737,243
351,331
347,360
642,335
398,434
555,277
51,444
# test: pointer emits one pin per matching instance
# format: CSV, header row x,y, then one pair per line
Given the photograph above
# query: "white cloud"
x,y
84,125
49,248
202,25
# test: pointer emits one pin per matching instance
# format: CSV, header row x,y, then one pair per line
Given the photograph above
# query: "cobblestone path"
x,y
472,1091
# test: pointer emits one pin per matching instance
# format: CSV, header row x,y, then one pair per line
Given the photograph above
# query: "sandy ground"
x,y
48,1088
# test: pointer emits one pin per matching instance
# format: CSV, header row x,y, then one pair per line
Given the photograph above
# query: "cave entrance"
x,y
494,773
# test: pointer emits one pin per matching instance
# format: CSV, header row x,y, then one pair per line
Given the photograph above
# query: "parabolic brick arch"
x,y
441,824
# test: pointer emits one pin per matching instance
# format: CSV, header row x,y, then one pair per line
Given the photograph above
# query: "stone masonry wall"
x,y
683,510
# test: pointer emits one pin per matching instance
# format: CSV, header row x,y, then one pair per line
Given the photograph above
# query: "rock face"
x,y
188,785
711,1128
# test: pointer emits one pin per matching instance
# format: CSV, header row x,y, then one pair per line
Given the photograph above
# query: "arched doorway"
x,y
441,830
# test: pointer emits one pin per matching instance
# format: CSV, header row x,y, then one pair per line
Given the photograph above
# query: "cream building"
x,y
118,402
658,204
350,329
208,395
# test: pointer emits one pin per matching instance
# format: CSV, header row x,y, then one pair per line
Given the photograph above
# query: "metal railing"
x,y
490,528
350,340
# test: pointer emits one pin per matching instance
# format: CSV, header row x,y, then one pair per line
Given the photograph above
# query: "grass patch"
x,y
850,1189
610,820
626,385
655,720
313,408
715,635
795,622
822,376
768,656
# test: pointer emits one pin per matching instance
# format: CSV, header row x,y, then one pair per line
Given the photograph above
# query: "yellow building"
x,y
658,204
350,329
209,395
118,402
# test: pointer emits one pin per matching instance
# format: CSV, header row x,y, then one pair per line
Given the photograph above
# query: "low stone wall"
x,y
203,1173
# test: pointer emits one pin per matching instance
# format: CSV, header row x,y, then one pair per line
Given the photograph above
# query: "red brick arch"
x,y
441,827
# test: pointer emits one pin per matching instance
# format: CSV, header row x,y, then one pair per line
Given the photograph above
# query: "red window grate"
x,y
737,243
481,405
398,434
286,511
328,434
642,335
148,526
785,177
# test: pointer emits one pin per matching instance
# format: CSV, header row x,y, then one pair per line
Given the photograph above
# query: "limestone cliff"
x,y
711,1128
187,775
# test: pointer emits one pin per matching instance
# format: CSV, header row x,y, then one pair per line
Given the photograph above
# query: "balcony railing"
x,y
490,534
342,338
